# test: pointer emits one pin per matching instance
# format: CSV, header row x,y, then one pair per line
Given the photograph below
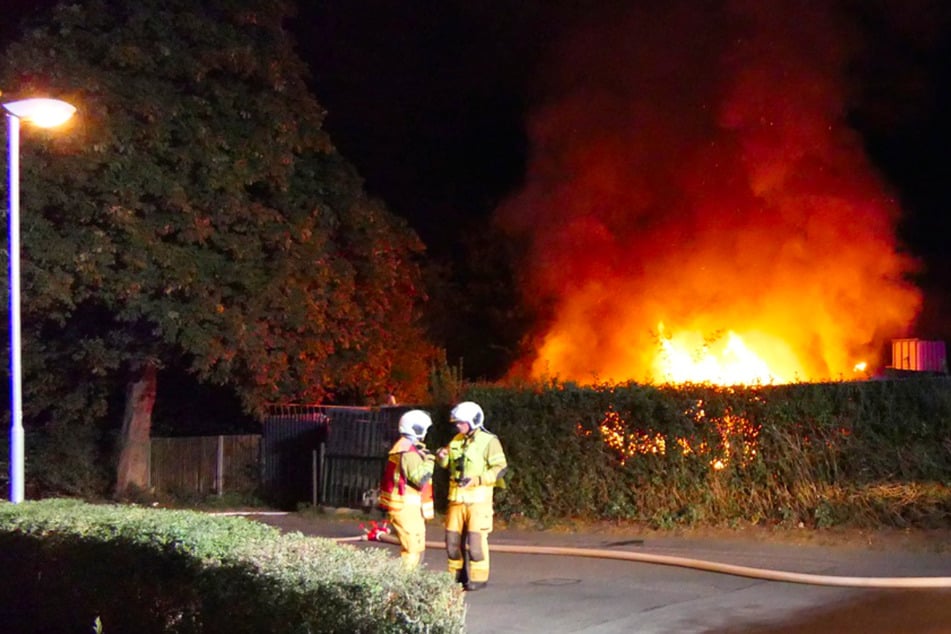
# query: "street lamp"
x,y
44,113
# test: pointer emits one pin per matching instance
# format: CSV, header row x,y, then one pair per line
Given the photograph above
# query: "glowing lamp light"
x,y
41,112
44,113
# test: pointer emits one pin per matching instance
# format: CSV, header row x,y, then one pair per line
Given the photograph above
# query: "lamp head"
x,y
42,112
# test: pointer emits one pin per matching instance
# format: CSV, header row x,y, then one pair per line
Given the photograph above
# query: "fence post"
x,y
323,474
220,469
313,479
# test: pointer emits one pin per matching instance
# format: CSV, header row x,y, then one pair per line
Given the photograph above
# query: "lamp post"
x,y
44,113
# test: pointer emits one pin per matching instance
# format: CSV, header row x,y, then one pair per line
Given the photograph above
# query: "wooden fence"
x,y
328,455
205,465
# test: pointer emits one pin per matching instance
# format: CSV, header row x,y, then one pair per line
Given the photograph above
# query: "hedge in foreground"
x,y
66,563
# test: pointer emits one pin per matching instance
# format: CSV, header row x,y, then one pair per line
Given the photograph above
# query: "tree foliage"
x,y
195,212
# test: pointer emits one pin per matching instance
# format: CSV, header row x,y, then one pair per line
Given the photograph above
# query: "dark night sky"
x,y
431,101
430,98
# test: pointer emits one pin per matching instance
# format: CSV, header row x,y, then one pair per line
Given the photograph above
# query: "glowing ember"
x,y
628,442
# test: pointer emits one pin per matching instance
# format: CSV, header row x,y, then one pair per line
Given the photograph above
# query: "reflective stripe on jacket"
x,y
475,455
407,478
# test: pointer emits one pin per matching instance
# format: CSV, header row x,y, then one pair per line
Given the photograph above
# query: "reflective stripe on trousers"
x,y
474,521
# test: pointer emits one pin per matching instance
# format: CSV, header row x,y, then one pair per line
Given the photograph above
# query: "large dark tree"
x,y
196,214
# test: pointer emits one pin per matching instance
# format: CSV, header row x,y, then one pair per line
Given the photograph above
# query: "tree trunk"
x,y
133,471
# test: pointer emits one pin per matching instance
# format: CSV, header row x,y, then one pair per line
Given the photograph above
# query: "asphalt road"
x,y
554,594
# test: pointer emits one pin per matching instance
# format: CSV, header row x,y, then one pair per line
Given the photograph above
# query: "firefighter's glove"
x,y
466,483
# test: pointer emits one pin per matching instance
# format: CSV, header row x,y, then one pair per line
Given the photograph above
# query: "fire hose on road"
x,y
380,533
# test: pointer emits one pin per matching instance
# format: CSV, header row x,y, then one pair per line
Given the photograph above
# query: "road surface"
x,y
555,594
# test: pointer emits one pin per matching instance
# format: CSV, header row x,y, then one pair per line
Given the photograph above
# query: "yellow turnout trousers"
x,y
410,529
467,533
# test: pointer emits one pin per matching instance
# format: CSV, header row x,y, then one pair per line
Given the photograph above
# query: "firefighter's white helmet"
x,y
415,423
468,412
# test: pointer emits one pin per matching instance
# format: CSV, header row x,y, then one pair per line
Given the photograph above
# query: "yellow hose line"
x,y
710,566
729,569
361,538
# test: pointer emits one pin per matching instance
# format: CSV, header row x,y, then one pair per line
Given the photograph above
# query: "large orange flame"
x,y
726,361
714,188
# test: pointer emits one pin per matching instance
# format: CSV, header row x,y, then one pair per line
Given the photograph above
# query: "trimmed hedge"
x,y
872,453
142,570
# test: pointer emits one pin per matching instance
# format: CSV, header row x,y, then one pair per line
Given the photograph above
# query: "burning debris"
x,y
737,436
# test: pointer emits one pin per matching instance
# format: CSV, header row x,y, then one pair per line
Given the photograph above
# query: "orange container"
x,y
919,355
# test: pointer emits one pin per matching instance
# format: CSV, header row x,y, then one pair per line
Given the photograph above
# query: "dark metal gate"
x,y
326,455
290,436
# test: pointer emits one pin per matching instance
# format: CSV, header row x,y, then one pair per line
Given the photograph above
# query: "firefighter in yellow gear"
x,y
406,489
476,464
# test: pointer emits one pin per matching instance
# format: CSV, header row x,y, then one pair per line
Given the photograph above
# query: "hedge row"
x,y
66,564
847,453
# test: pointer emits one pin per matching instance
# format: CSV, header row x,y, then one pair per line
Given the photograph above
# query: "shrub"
x,y
820,454
147,570
65,460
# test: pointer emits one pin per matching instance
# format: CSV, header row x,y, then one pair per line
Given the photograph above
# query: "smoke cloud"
x,y
693,174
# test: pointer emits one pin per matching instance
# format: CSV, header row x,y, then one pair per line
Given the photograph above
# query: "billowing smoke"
x,y
695,189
